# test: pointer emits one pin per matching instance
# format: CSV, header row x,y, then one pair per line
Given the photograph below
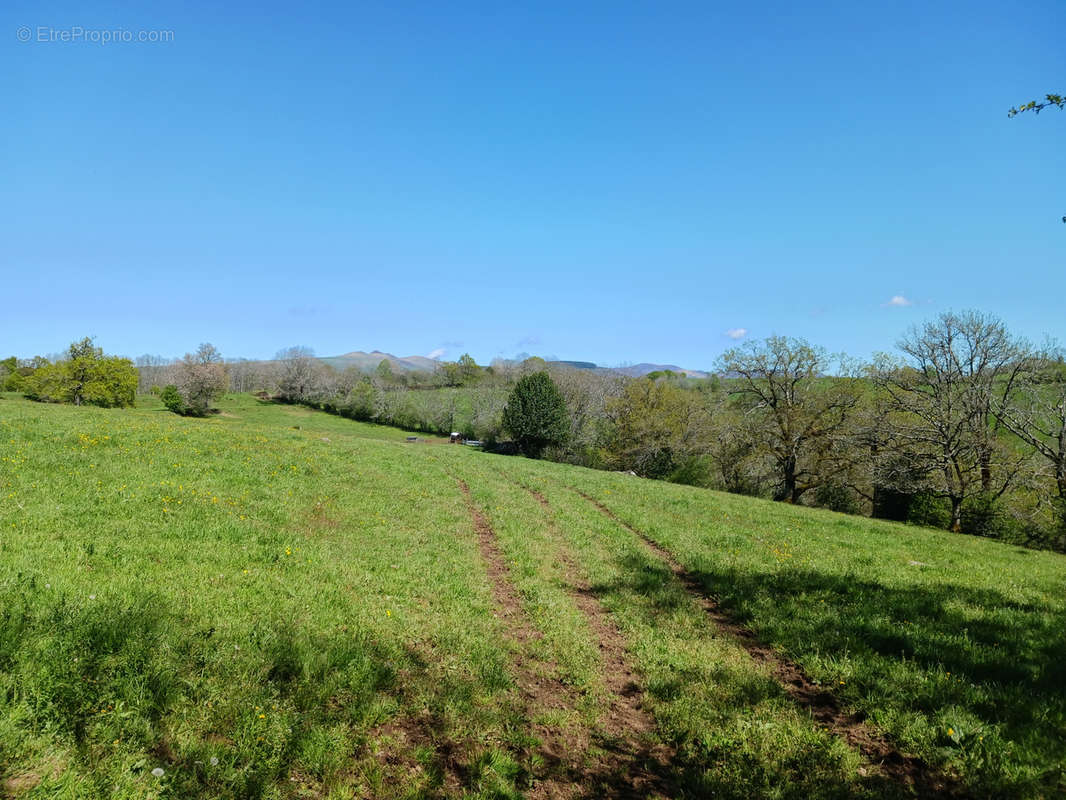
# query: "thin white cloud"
x,y
436,353
898,301
736,333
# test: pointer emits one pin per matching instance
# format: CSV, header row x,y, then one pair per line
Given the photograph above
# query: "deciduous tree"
x,y
535,414
795,413
298,372
1036,411
84,376
658,426
201,378
939,405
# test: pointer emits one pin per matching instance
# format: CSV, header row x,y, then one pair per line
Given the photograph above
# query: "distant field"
x,y
274,602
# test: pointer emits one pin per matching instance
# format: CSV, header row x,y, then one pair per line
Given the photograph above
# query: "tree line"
x,y
962,427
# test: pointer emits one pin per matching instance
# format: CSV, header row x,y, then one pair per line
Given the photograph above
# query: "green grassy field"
x,y
275,602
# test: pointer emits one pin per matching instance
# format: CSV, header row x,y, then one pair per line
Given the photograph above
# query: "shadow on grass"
x,y
126,684
970,660
720,716
936,627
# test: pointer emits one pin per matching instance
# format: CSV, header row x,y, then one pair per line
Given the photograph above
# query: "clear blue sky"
x,y
617,182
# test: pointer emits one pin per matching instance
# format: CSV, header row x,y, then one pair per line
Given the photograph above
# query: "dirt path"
x,y
638,770
922,779
562,750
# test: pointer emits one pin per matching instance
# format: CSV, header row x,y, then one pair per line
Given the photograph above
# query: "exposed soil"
x,y
638,769
421,731
318,519
18,785
921,778
562,750
15,786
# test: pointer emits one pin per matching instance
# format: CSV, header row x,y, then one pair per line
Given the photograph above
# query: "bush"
x,y
654,462
693,471
536,414
889,503
202,377
929,510
984,516
172,399
86,376
836,498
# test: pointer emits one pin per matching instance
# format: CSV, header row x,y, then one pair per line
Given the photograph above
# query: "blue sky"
x,y
616,182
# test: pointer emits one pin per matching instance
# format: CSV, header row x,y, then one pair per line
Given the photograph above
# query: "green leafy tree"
x,y
799,417
82,359
449,373
385,373
535,414
172,399
363,401
1036,106
469,371
10,379
657,426
86,376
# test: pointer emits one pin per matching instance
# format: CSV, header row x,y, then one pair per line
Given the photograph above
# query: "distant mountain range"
x,y
640,370
368,362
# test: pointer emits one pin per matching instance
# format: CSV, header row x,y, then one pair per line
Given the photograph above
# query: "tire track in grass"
x,y
922,779
643,769
561,751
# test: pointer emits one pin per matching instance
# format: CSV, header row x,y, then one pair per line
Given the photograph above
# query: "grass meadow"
x,y
278,603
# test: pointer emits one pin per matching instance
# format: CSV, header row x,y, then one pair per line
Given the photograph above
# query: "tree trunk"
x,y
1060,463
986,472
788,469
956,514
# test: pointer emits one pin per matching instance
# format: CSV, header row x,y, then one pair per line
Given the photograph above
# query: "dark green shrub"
x,y
655,462
536,415
172,399
836,497
929,510
693,471
983,515
891,504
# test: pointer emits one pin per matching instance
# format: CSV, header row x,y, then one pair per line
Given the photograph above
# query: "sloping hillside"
x,y
368,362
274,602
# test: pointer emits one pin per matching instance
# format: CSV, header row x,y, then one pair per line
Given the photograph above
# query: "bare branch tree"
x,y
201,377
940,402
1036,411
798,416
298,368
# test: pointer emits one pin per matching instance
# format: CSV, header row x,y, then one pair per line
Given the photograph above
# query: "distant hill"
x,y
640,370
576,364
636,370
368,362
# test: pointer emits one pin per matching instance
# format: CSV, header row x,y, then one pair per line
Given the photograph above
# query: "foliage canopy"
x,y
536,414
86,376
